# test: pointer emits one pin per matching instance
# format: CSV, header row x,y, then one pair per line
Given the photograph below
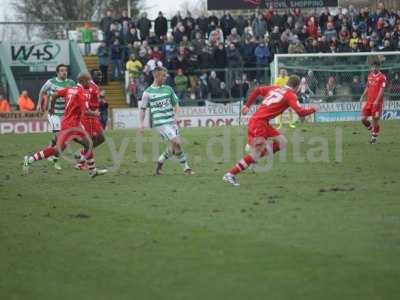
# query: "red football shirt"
x,y
93,101
75,99
276,101
375,83
94,96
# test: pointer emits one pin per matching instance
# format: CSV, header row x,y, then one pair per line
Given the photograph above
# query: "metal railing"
x,y
7,79
58,30
198,89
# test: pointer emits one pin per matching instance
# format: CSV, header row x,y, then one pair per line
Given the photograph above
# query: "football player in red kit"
x,y
91,124
75,107
276,101
373,107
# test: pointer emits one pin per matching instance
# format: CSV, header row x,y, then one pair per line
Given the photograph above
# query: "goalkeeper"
x,y
281,81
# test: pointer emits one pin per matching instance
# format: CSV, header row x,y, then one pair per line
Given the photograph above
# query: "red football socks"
x,y
49,151
242,164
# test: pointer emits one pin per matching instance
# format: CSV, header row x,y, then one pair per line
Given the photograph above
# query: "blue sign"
x,y
391,115
337,116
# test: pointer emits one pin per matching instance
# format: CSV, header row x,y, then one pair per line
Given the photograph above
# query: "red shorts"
x,y
92,126
69,124
69,134
260,129
370,111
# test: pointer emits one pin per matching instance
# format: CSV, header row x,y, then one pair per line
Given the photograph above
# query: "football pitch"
x,y
319,222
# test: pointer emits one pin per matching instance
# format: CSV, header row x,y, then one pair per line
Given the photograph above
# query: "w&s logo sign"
x,y
35,54
39,54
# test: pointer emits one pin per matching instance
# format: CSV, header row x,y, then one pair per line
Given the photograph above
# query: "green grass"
x,y
304,230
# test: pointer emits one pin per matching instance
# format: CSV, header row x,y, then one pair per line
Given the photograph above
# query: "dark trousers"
x,y
104,74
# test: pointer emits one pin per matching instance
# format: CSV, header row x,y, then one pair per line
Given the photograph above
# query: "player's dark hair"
x,y
60,66
294,81
159,69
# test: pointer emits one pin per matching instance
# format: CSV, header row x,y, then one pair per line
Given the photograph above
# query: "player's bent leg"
x,y
171,134
163,157
40,155
279,142
55,159
257,150
375,129
88,157
366,123
55,126
176,144
365,114
99,139
252,167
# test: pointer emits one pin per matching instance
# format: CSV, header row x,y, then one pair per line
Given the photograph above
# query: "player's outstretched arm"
x,y
363,94
42,92
60,93
177,109
142,113
142,116
301,111
380,95
52,103
40,101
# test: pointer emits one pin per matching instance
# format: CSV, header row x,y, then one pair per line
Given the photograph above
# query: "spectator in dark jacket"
x,y
323,19
203,86
198,43
153,40
223,93
160,25
262,54
237,89
103,53
234,60
248,50
202,21
116,59
259,26
233,56
227,24
125,32
220,60
103,109
275,39
240,24
214,85
124,17
188,19
205,58
176,19
144,25
169,50
106,22
132,36
178,33
312,46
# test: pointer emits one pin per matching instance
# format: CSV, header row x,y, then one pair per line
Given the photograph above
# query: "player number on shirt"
x,y
274,97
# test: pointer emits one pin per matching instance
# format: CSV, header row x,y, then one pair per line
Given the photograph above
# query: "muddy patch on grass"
x,y
336,189
80,216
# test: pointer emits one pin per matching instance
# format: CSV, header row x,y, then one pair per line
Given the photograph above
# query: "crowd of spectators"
x,y
199,50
